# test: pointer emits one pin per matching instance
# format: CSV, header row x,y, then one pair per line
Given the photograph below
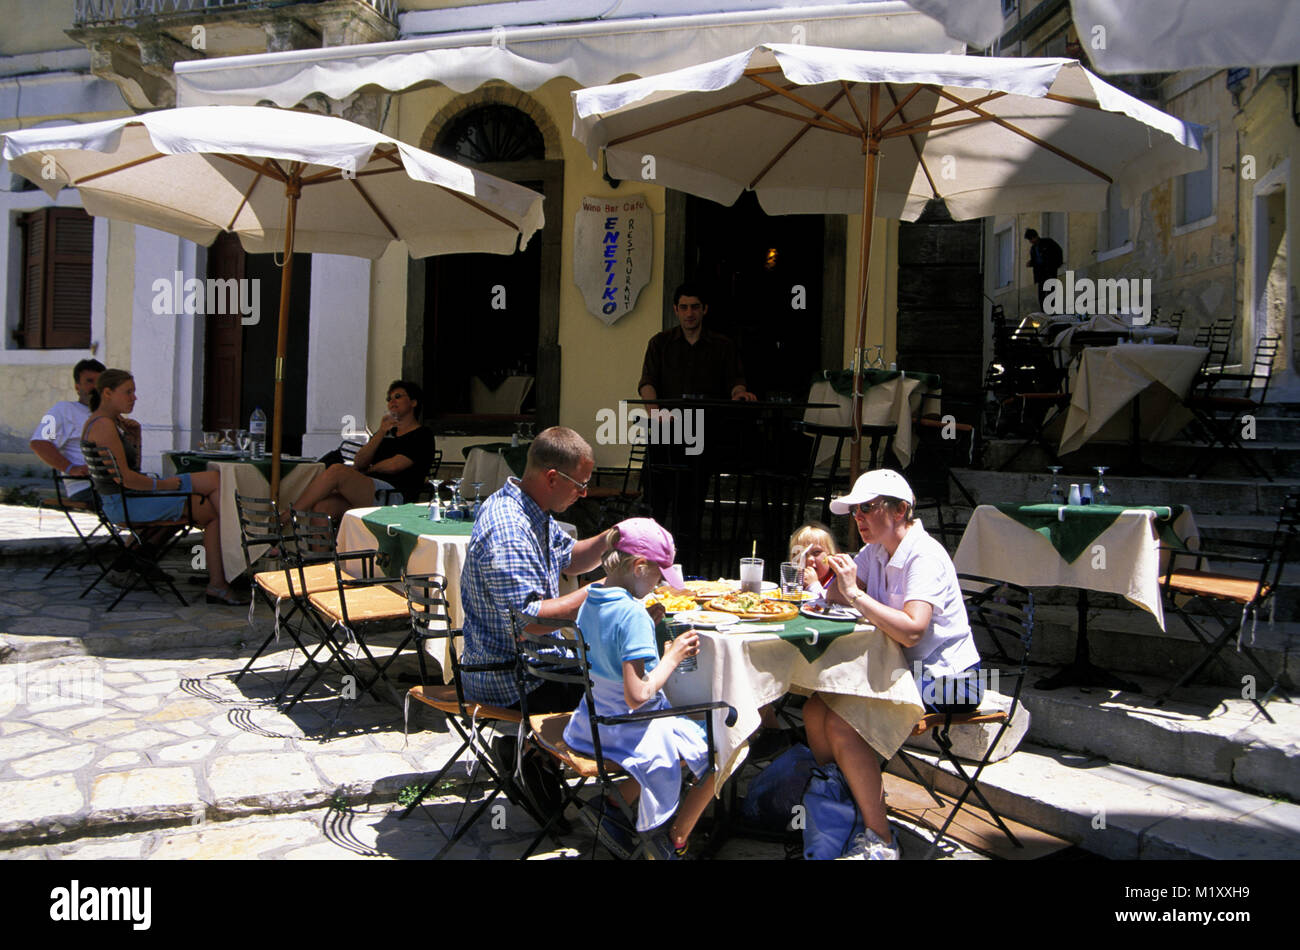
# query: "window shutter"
x,y
57,278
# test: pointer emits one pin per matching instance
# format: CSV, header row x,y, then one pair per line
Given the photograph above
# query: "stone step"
x,y
1205,496
1275,427
1125,813
1199,734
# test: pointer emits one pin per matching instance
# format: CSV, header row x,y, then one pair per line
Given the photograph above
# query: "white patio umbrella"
x,y
813,130
283,181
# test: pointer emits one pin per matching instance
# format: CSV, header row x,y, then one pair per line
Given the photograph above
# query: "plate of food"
x,y
830,612
672,600
707,590
706,619
750,606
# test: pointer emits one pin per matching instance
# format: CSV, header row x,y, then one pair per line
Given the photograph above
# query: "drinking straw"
x,y
754,550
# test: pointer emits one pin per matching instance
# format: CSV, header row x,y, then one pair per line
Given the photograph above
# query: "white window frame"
x,y
1103,230
1010,231
1213,134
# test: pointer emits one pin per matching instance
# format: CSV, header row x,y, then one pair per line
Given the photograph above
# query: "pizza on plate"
x,y
751,606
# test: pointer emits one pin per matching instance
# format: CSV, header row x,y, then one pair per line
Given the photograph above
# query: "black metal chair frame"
x,y
313,543
560,654
994,607
105,479
1220,414
85,549
1272,561
823,482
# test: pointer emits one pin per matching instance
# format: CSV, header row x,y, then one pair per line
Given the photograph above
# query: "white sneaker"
x,y
868,846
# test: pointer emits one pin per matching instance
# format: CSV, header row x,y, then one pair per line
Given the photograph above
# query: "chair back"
x,y
1261,369
1002,610
1282,547
557,653
1219,342
259,522
426,599
348,448
101,464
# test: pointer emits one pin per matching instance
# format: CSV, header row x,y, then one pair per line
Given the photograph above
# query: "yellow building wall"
x,y
33,26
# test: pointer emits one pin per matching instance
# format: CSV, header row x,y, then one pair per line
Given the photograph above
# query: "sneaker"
x,y
868,846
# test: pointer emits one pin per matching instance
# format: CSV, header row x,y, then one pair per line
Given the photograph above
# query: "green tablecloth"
x,y
516,456
408,522
841,380
188,462
1082,524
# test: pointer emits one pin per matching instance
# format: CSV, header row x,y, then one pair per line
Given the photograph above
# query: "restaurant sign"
x,y
613,243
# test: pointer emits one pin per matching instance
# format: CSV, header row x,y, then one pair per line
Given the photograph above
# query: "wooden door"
x,y
223,344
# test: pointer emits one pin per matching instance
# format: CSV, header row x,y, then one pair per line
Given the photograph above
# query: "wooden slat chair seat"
x,y
363,604
935,720
446,700
319,577
1239,590
548,732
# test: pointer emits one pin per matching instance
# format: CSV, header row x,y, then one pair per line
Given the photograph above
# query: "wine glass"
x,y
244,439
478,498
1102,494
227,442
1055,495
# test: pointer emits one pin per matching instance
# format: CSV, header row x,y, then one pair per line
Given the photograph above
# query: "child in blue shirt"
x,y
628,675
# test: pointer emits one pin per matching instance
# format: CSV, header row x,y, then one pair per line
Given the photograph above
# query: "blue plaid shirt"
x,y
515,557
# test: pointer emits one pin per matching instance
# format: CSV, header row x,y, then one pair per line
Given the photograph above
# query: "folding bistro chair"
x,y
560,655
1221,412
356,606
1243,596
152,539
86,549
998,609
259,524
426,596
822,481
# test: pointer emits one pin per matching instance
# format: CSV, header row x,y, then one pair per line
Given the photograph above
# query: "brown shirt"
x,y
709,367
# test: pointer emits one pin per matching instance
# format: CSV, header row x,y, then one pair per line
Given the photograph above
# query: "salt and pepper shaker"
x,y
1074,494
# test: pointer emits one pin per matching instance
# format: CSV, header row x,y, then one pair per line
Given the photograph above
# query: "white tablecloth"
x,y
995,545
490,468
244,478
897,401
1105,380
862,676
1104,323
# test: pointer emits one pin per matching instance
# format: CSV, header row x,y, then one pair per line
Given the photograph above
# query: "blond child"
x,y
811,547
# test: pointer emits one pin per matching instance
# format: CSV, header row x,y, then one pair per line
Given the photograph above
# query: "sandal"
x,y
226,597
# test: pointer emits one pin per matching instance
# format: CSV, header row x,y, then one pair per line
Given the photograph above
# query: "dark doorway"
x,y
764,275
239,364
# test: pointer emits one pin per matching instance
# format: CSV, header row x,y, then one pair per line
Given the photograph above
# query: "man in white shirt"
x,y
57,439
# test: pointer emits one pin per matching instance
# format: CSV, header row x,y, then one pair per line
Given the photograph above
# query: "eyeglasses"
x,y
861,511
581,486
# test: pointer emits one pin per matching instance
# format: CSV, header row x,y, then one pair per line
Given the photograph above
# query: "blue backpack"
x,y
771,798
831,817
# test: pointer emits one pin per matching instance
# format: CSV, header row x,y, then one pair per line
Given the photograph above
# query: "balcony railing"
x,y
109,12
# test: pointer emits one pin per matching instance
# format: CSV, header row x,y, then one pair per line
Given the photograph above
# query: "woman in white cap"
x,y
904,583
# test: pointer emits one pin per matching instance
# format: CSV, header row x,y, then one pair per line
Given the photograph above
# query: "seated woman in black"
x,y
397,457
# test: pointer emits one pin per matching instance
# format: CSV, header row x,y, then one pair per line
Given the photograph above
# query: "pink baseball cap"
x,y
645,537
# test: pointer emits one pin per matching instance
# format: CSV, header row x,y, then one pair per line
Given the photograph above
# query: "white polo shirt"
x,y
921,570
62,426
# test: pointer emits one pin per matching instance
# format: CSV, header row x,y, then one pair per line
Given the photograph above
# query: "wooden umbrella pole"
x,y
292,189
871,145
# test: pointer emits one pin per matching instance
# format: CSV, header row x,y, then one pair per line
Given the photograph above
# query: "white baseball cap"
x,y
870,486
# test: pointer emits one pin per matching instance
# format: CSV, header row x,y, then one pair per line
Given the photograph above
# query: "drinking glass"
x,y
227,441
751,574
1055,495
1101,496
675,629
454,511
478,498
791,581
244,439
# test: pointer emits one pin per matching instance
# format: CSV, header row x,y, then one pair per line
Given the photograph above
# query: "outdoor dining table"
x,y
491,463
860,673
248,477
1149,381
892,396
1108,548
408,542
1105,323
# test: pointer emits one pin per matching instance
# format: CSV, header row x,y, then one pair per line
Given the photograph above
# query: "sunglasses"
x,y
861,511
581,486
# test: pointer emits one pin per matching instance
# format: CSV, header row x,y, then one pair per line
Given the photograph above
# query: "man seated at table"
x,y
515,556
396,459
687,360
57,439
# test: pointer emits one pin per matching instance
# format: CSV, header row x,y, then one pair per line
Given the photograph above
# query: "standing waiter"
x,y
688,360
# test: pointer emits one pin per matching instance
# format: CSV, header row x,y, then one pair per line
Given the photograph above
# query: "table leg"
x,y
1082,672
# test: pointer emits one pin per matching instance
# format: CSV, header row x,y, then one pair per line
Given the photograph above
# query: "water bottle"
x,y
257,431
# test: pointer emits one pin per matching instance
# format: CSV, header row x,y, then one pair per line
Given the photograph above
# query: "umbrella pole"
x,y
292,189
871,145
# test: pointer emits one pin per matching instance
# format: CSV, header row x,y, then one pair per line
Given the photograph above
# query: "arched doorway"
x,y
474,321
